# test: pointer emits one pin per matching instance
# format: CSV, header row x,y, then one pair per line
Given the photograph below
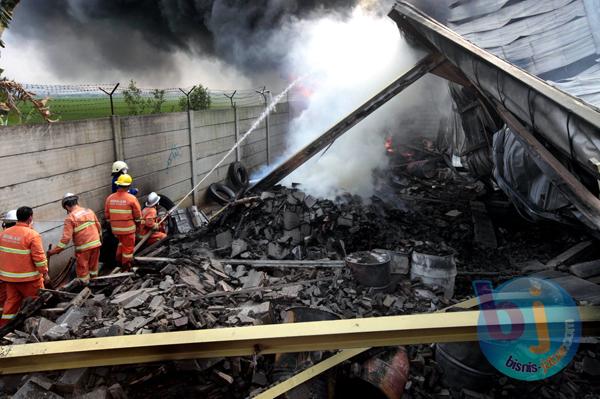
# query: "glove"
x,y
53,251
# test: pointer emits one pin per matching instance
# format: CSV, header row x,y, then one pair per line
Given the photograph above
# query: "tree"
x,y
133,98
137,104
157,101
7,8
13,96
199,99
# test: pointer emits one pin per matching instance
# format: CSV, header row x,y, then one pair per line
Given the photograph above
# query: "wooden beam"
x,y
265,339
269,263
244,291
451,73
423,67
152,247
151,259
257,262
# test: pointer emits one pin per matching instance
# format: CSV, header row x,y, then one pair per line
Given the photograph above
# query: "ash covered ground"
x,y
199,281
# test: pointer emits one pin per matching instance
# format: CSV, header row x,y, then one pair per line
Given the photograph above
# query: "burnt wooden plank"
x,y
423,67
586,269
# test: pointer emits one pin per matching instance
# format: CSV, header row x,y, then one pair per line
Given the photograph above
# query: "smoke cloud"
x,y
350,60
156,42
349,50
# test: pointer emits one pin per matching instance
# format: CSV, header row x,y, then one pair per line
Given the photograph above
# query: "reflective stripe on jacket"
x,y
83,227
123,211
22,255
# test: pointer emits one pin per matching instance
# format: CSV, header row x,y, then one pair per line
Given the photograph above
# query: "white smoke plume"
x,y
348,61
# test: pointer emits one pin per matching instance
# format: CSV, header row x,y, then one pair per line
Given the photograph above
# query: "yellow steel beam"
x,y
267,339
338,358
309,373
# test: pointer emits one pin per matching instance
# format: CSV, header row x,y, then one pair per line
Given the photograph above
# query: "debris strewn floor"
x,y
193,282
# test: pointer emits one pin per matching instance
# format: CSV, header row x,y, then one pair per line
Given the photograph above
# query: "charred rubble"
x,y
224,275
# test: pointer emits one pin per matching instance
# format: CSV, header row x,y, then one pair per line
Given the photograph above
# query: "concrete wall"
x,y
39,163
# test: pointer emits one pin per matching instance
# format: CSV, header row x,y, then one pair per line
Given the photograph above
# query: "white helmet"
x,y
153,199
10,216
68,197
119,166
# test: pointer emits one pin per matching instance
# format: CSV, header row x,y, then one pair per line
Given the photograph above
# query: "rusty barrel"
x,y
387,371
463,365
370,269
434,271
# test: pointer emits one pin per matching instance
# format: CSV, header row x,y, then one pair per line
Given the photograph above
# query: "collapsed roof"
x,y
555,39
540,143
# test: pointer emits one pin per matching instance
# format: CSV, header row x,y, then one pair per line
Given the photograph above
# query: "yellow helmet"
x,y
124,181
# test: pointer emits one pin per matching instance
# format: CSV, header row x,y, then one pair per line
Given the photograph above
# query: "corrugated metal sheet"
x,y
592,8
475,8
586,85
539,36
552,49
507,34
509,13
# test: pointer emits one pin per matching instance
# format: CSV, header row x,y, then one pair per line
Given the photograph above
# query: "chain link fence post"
x,y
110,95
192,141
235,123
264,93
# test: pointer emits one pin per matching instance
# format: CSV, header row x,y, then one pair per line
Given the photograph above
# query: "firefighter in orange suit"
x,y
123,212
9,220
82,226
23,264
150,220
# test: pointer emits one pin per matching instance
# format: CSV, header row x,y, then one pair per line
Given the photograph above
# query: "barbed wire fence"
x,y
77,102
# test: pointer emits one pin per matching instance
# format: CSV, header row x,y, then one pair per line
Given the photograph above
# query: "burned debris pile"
x,y
196,293
285,252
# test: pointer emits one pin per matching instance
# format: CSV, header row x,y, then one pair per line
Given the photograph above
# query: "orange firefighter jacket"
x,y
148,221
123,211
83,227
22,256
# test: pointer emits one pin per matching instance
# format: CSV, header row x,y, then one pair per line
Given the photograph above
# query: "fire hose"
x,y
236,145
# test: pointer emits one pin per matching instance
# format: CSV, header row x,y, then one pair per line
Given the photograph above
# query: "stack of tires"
x,y
237,182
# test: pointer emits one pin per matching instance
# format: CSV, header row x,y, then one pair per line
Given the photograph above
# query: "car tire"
x,y
221,193
238,176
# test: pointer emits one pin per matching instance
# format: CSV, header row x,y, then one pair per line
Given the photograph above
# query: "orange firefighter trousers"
x,y
15,293
125,249
87,263
156,236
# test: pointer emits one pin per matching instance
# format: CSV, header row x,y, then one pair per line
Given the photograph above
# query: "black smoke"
x,y
91,38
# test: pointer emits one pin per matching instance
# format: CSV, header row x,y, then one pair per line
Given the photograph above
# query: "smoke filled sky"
x,y
344,50
159,43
